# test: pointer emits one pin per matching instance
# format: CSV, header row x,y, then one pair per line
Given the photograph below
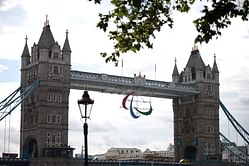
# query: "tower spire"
x,y
215,67
66,46
195,47
175,74
175,71
26,39
46,23
25,52
46,39
66,32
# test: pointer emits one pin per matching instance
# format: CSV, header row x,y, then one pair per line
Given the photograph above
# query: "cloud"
x,y
12,15
9,70
102,127
7,4
3,68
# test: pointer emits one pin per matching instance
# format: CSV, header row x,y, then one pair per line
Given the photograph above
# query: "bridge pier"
x,y
44,114
44,161
212,163
196,117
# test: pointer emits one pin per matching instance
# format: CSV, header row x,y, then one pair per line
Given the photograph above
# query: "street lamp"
x,y
84,101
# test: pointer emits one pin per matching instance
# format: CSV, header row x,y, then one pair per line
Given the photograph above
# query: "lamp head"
x,y
85,100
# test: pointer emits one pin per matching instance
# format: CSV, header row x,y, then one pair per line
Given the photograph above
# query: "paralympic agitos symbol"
x,y
132,108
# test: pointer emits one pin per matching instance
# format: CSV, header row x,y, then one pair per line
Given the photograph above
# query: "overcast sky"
x,y
110,125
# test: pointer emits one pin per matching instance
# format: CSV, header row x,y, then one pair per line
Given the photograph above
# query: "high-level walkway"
x,y
123,85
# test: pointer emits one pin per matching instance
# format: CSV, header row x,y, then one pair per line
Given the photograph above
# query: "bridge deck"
x,y
123,85
74,161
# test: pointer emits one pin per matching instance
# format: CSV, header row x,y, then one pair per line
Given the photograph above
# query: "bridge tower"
x,y
44,115
196,118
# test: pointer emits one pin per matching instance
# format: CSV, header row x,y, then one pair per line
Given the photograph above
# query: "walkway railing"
x,y
123,85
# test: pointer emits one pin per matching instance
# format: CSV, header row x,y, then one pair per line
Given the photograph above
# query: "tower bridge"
x,y
44,114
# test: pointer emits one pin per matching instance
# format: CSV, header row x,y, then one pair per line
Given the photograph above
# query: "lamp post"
x,y
84,101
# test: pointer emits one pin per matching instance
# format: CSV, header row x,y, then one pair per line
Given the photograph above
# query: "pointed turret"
x,y
25,54
66,46
195,67
215,68
175,71
195,61
46,39
215,71
175,74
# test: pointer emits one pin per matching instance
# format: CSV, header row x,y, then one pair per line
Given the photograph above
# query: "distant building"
x,y
137,154
164,155
123,154
99,157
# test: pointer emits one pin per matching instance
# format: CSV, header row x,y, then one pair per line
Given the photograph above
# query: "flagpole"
x,y
155,71
122,65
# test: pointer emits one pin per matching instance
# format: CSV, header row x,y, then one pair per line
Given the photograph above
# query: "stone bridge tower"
x,y
44,115
196,118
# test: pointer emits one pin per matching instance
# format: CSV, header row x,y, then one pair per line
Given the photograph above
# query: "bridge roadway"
x,y
124,85
78,162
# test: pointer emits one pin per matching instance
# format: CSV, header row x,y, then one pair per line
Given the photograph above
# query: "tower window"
x,y
60,70
209,128
56,55
212,150
209,88
188,77
36,117
49,54
193,73
54,99
48,138
58,138
208,76
58,119
209,148
31,119
210,111
50,69
53,138
59,98
48,119
49,97
56,70
206,148
53,118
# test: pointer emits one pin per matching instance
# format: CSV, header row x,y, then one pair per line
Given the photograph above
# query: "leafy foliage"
x,y
132,23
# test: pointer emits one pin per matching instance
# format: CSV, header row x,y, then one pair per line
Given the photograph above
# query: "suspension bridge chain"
x,y
15,99
243,133
233,149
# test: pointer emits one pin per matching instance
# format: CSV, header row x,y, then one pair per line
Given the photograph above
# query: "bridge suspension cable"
x,y
10,103
15,99
243,133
